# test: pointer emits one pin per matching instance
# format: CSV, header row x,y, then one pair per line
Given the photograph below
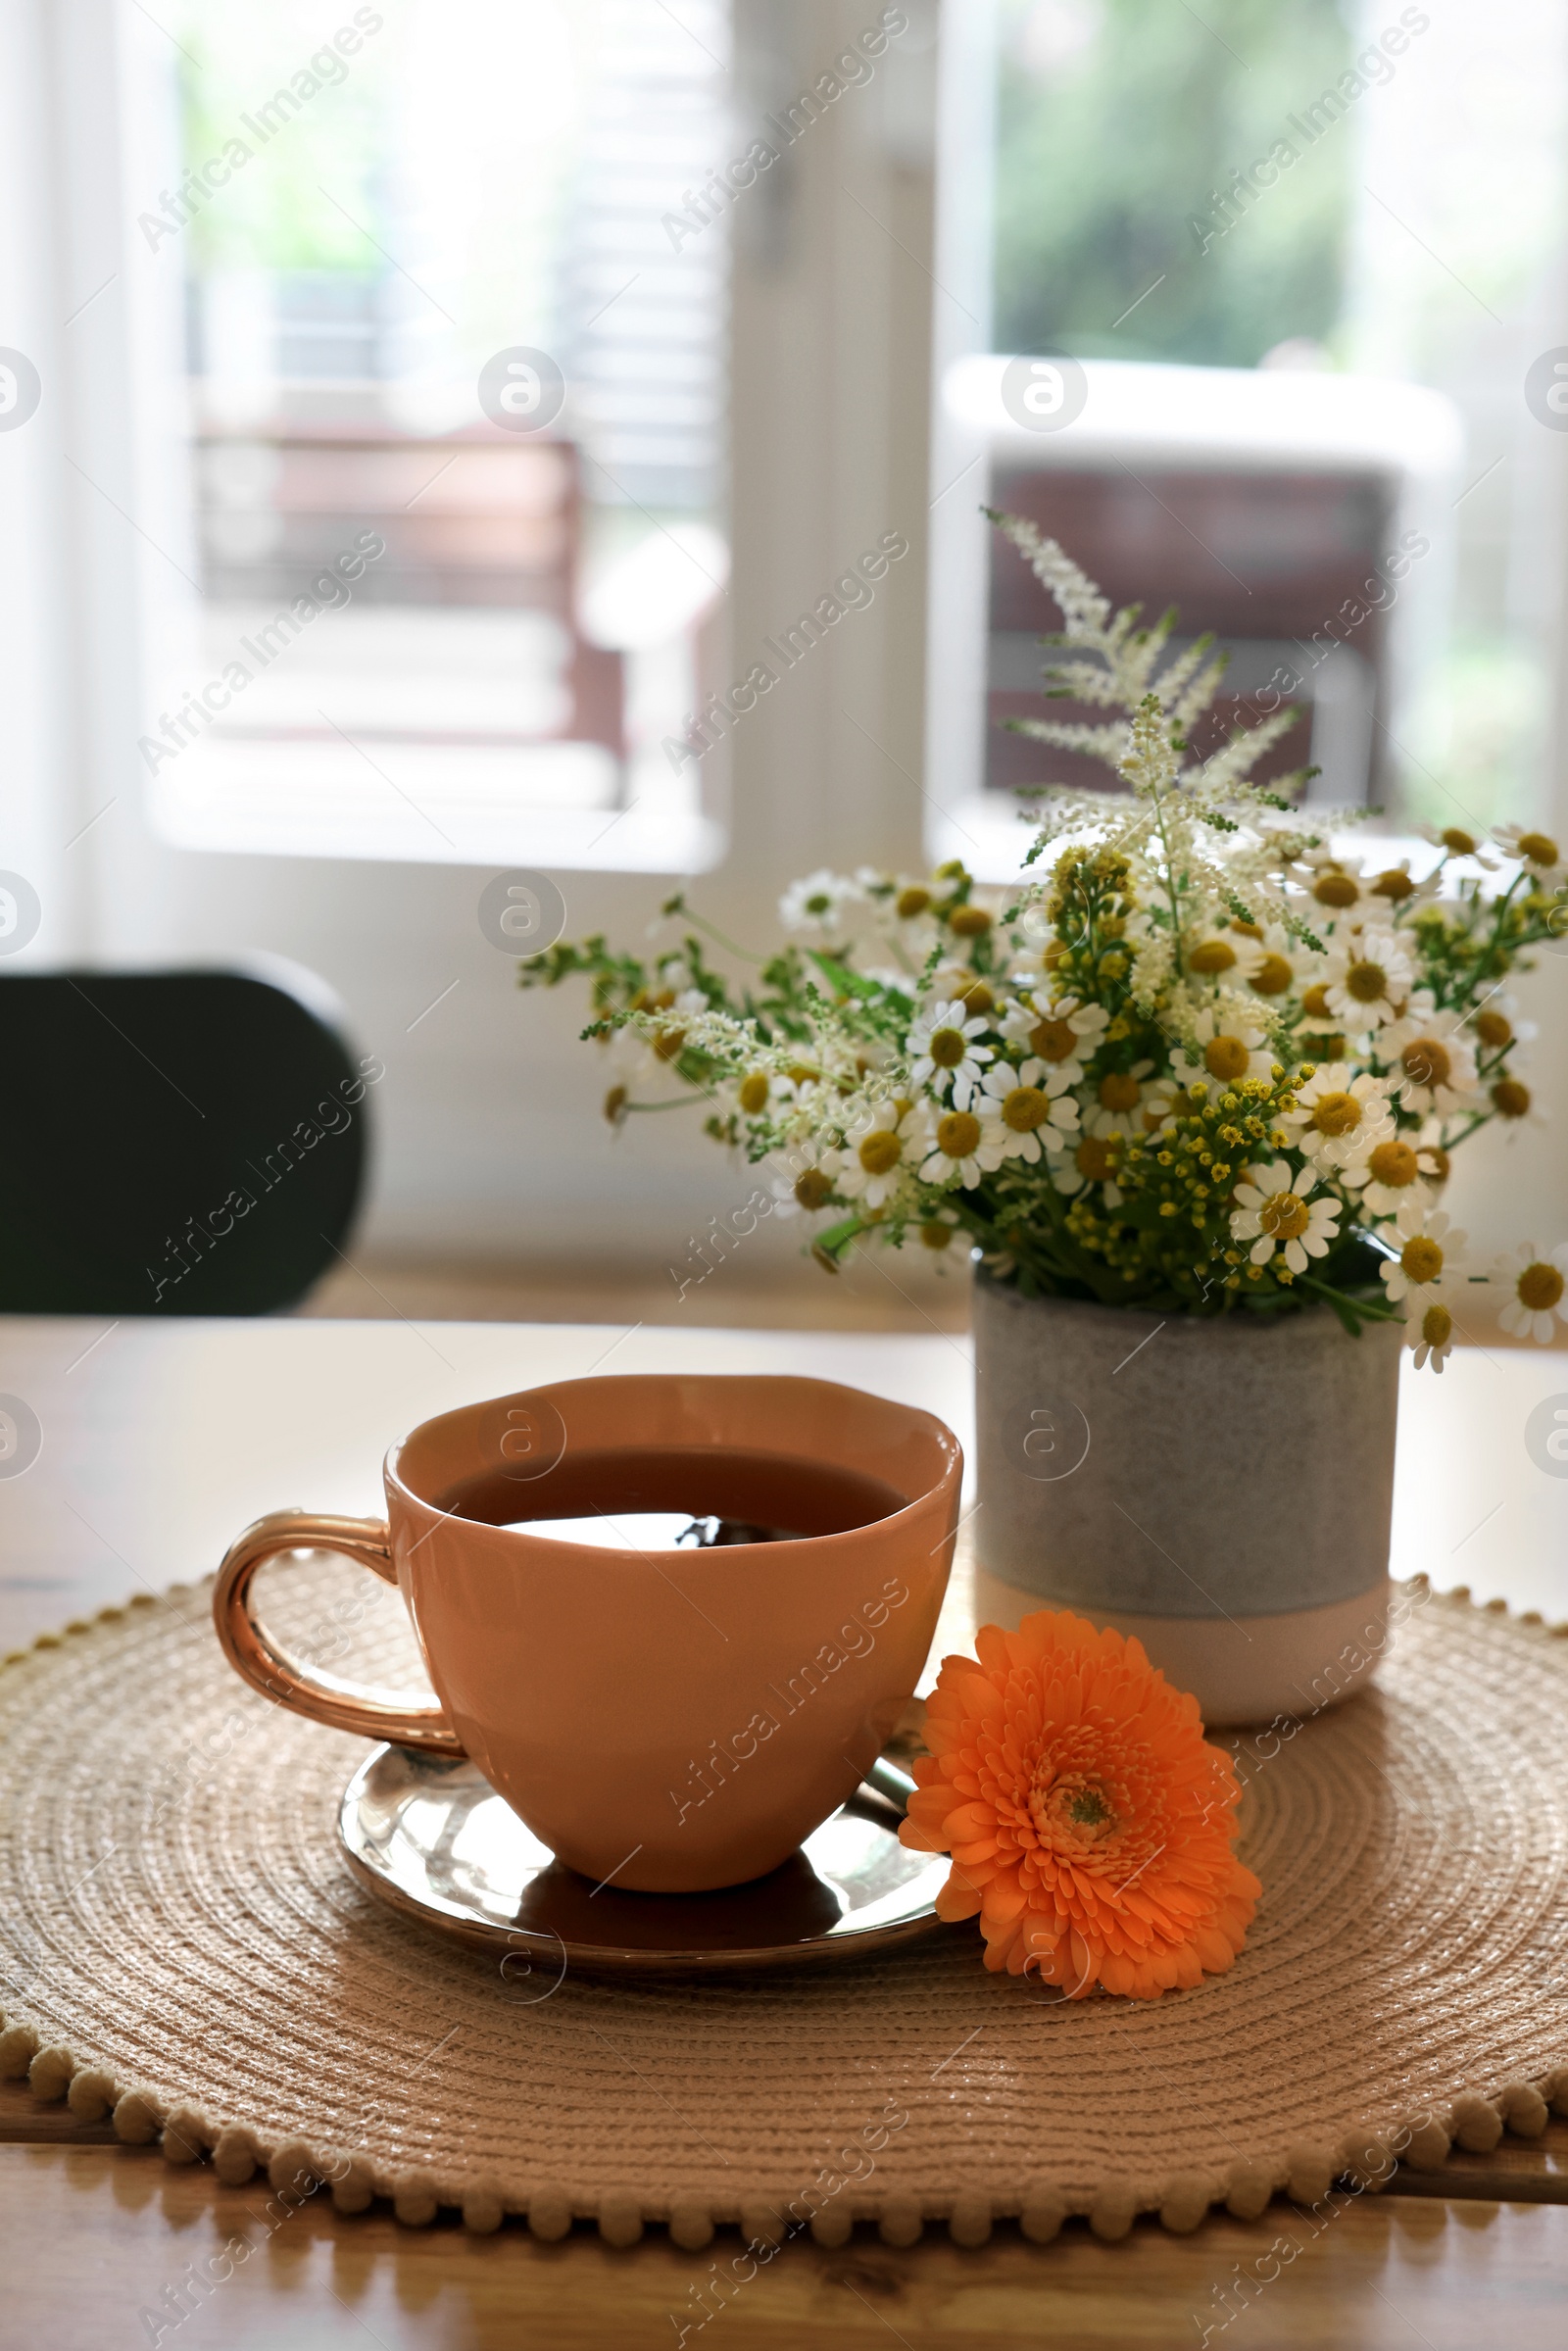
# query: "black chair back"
x,y
173,1142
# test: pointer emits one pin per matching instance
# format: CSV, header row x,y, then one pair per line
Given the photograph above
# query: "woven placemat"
x,y
184,1946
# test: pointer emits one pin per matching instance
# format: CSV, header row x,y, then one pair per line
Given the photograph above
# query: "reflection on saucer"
x,y
431,1839
791,1904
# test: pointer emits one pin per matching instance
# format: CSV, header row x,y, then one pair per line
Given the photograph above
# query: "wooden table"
x,y
160,1440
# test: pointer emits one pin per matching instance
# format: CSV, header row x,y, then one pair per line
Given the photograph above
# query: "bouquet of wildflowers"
x,y
1196,1059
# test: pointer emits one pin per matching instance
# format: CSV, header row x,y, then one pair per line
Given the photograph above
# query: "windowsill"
x,y
993,841
553,805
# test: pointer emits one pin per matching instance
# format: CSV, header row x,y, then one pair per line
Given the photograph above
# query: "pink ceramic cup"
x,y
676,1720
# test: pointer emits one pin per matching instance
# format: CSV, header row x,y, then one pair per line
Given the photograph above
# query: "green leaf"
x,y
845,982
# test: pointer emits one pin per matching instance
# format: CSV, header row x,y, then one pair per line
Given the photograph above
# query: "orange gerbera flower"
x,y
1091,1824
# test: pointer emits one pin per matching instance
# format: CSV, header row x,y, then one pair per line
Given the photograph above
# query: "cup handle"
x,y
400,1715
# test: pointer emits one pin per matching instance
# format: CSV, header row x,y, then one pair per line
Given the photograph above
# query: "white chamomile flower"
x,y
1367,980
1514,1104
1227,1051
1118,1104
880,1151
1536,1289
906,910
810,1172
814,907
1432,1338
1088,1161
1228,952
1538,852
1032,1103
1340,1116
970,991
1389,1179
799,1093
968,924
944,1051
754,1091
1059,1031
921,892
1495,1025
1332,884
1284,964
1397,886
1163,1100
1455,842
1019,1026
1431,1257
965,1146
1433,1061
1017,1017
1437,1163
1275,1210
916,901
937,1231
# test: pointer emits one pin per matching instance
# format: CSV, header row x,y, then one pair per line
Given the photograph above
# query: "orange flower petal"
x,y
956,1900
1092,1827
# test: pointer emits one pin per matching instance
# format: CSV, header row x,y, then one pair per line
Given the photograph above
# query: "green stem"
x,y
1170,878
838,1236
1481,1118
1350,1311
702,923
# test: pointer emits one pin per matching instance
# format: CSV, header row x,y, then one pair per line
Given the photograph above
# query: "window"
x,y
456,368
1300,265
1117,120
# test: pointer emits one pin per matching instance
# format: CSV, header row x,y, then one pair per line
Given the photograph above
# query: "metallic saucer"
x,y
433,1839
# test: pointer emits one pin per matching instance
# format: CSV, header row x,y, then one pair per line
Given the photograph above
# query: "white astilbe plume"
x,y
1117,667
1203,818
1202,842
1234,759
1104,743
1086,612
1150,759
1152,972
1187,685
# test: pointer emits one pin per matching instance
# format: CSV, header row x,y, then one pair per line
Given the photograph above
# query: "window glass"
x,y
457,402
1373,193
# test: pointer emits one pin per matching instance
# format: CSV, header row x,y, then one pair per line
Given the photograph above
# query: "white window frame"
x,y
1169,418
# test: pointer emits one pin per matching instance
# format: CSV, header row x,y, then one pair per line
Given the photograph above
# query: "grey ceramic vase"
x,y
1221,1486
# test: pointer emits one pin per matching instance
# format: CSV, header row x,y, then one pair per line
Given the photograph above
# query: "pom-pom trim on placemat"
x,y
297,2168
296,2171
